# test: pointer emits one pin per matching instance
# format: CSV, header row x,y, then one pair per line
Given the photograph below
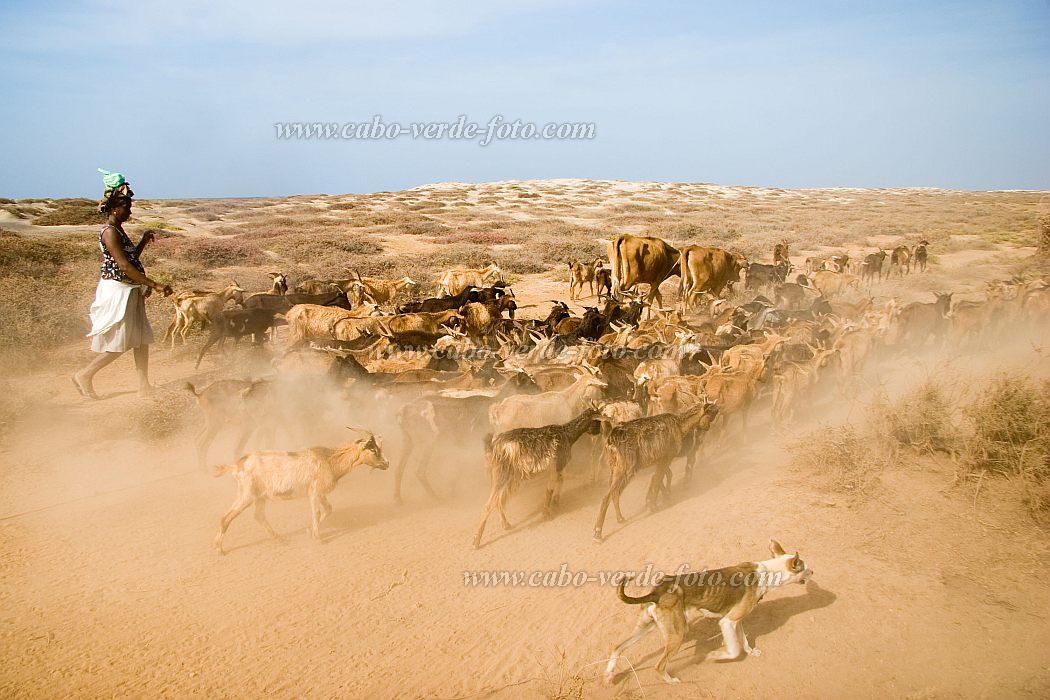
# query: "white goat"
x,y
313,473
549,407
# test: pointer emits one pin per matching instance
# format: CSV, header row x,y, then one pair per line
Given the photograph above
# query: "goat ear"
x,y
775,549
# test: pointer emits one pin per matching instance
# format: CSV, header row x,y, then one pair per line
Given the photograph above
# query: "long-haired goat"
x,y
313,473
656,441
521,454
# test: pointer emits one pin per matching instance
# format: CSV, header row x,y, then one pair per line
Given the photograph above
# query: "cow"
x,y
707,270
642,260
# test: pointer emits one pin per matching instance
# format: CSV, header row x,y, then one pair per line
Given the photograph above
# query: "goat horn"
x,y
359,430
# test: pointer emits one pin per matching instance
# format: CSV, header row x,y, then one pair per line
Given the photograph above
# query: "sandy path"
x,y
120,592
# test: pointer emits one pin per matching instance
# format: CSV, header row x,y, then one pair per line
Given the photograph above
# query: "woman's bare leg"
x,y
142,367
84,377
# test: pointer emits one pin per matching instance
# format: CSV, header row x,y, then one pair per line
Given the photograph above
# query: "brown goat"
x,y
655,440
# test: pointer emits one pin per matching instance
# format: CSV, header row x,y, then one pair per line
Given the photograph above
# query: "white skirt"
x,y
118,318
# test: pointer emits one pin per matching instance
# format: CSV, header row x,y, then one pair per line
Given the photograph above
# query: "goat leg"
x,y
260,517
244,499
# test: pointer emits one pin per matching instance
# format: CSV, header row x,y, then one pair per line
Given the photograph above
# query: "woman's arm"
x,y
147,238
109,238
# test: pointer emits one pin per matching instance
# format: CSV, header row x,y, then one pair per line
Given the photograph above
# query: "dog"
x,y
729,594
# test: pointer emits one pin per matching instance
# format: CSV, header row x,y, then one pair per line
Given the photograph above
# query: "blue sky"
x,y
183,97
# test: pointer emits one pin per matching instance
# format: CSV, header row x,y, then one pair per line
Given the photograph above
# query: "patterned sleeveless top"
x,y
110,269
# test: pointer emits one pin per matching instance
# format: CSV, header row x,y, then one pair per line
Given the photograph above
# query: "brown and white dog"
x,y
729,594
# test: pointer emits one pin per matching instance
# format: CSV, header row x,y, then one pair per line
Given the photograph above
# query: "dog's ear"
x,y
794,564
775,548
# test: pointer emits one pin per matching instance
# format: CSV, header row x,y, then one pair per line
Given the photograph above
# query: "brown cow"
x,y
706,270
642,260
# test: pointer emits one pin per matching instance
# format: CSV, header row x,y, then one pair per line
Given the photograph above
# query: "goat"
x,y
613,413
603,281
384,291
522,453
453,282
203,307
280,303
480,318
580,273
872,266
306,321
920,255
317,287
793,380
422,322
313,472
655,440
918,321
546,408
445,303
246,405
452,420
237,323
901,259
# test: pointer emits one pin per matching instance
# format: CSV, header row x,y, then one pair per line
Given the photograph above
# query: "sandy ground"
x,y
110,585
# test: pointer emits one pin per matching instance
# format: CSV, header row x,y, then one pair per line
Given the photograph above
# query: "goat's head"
x,y
280,283
236,292
371,450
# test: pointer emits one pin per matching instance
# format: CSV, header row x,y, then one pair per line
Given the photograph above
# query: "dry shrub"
x,y
1010,437
925,418
35,318
1011,428
70,212
322,249
211,252
844,459
425,228
476,238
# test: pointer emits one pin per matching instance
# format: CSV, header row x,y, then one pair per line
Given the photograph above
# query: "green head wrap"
x,y
116,187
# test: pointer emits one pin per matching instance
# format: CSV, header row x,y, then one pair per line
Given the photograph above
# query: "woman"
x,y
118,314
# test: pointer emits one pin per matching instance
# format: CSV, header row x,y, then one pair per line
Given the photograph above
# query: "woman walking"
x,y
118,314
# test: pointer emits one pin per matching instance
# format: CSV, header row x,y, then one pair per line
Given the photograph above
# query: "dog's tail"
x,y
642,600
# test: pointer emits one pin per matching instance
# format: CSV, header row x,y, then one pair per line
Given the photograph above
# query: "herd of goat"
x,y
647,383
